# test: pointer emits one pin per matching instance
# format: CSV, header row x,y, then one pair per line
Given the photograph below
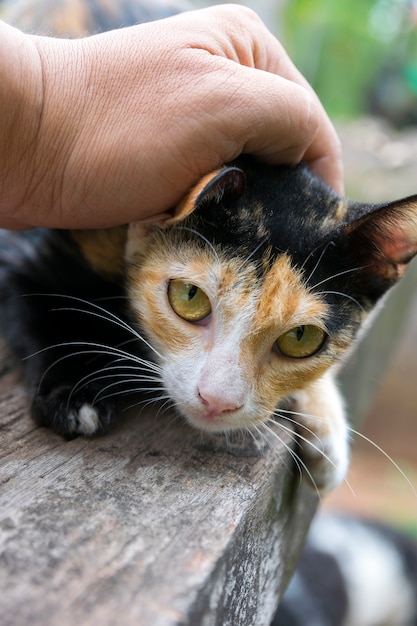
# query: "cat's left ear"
x,y
384,239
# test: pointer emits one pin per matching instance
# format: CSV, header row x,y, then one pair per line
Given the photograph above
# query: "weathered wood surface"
x,y
150,525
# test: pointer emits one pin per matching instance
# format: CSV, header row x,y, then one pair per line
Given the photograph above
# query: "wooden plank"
x,y
151,524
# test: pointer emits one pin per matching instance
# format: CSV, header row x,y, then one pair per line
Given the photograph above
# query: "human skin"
x,y
117,127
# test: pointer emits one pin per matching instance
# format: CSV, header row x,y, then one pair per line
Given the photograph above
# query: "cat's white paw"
x,y
323,434
84,420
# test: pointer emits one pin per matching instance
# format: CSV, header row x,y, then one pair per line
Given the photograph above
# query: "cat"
x,y
246,297
236,308
352,572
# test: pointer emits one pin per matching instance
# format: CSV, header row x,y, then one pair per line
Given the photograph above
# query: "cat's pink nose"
x,y
216,405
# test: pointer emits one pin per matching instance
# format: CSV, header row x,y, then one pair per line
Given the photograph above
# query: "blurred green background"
x,y
359,55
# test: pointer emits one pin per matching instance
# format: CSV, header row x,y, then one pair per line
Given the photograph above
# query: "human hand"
x,y
117,127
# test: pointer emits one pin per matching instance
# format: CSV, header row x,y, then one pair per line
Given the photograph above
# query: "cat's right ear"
x,y
225,182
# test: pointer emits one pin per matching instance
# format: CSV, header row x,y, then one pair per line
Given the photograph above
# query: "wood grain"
x,y
150,525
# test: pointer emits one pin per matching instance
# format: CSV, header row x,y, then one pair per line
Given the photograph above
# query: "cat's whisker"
x,y
301,437
386,455
265,440
123,379
140,364
301,465
227,439
323,252
250,432
261,435
100,396
297,459
127,342
104,315
111,318
138,380
145,402
165,402
344,295
242,433
165,406
298,413
354,432
210,245
103,373
94,348
254,251
333,276
295,422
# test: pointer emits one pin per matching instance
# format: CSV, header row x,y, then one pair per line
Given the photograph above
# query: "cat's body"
x,y
246,297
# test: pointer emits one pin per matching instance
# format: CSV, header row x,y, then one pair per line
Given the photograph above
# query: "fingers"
x,y
274,118
144,112
299,129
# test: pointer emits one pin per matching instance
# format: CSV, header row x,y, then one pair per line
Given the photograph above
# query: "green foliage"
x,y
338,47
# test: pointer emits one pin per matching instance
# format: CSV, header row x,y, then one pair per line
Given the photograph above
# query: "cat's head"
x,y
258,283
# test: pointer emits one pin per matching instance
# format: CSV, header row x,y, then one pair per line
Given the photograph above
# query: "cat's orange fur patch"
x,y
103,249
341,210
285,302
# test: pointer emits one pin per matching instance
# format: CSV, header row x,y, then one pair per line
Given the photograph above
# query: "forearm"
x,y
42,88
20,115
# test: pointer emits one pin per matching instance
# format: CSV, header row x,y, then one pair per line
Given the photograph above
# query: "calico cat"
x,y
235,309
245,298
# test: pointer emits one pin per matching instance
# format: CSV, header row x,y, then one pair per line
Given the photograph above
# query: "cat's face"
x,y
252,291
224,334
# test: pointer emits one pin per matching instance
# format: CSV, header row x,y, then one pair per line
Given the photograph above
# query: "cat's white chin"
x,y
209,422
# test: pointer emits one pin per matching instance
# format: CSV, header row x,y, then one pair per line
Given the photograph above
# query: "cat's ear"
x,y
226,182
384,239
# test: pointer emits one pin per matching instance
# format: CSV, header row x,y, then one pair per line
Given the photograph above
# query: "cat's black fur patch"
x,y
45,290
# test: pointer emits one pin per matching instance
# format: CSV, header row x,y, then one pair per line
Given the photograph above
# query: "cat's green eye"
x,y
188,301
301,342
